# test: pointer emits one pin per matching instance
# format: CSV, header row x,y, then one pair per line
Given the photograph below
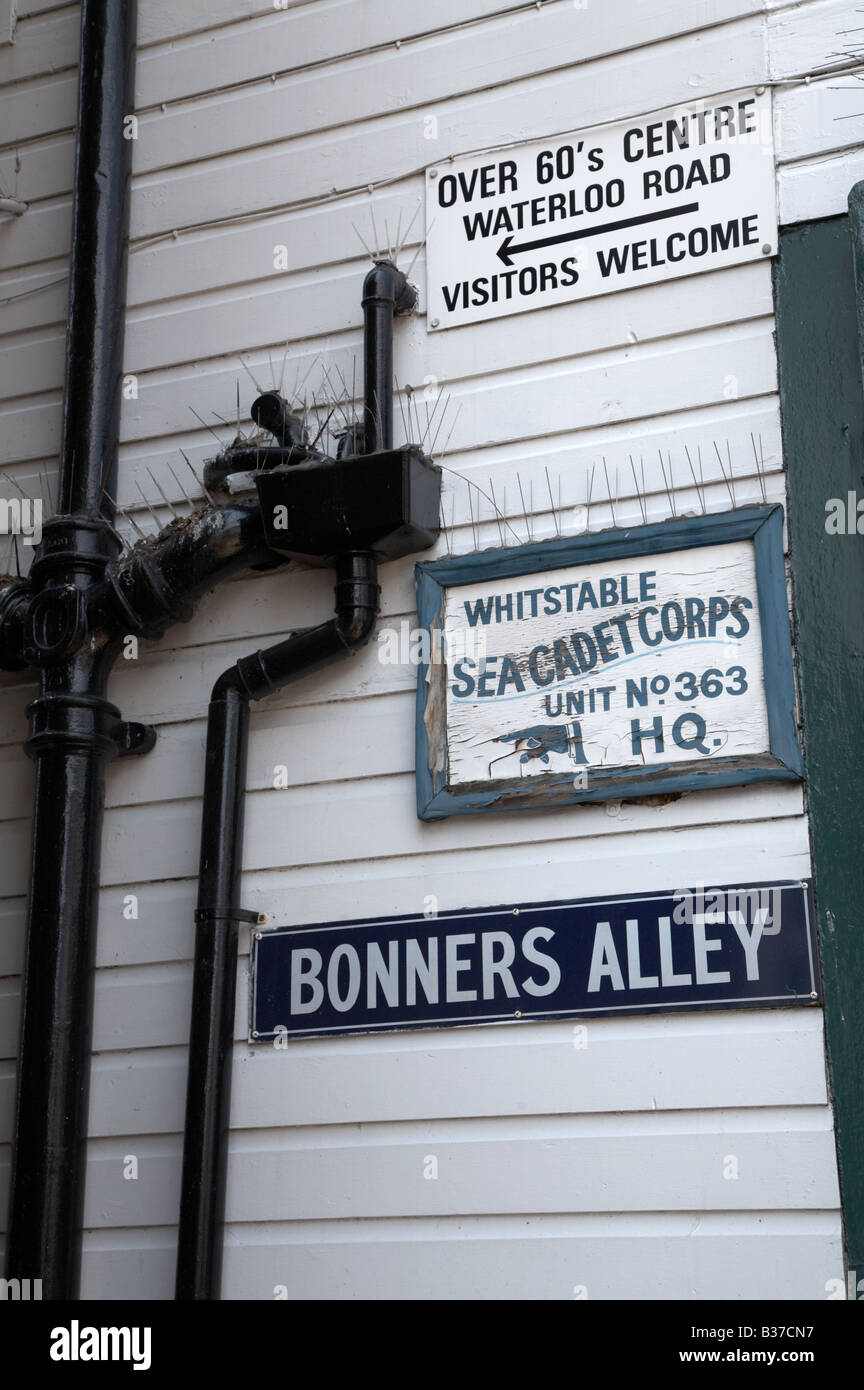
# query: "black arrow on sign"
x,y
507,250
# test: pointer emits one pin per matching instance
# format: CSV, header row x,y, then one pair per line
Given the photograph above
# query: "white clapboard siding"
x,y
811,37
391,148
310,36
819,129
729,1256
642,381
821,118
374,819
238,323
564,1171
571,1163
44,44
163,929
819,188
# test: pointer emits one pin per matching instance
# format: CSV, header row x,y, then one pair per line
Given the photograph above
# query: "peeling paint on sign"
x,y
626,668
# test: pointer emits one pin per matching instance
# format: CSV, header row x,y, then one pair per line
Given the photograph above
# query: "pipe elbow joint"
x,y
14,612
358,597
357,625
385,284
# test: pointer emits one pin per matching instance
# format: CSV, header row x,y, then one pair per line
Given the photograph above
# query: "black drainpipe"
x,y
68,619
74,730
386,293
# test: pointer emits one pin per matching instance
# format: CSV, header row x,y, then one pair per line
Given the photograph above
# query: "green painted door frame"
x,y
822,406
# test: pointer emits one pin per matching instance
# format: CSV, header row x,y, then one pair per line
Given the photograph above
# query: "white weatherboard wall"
x,y
560,1167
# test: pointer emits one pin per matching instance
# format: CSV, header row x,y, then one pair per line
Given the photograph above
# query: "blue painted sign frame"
x,y
653,952
782,761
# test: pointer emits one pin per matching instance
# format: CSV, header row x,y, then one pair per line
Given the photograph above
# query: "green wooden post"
x,y
823,437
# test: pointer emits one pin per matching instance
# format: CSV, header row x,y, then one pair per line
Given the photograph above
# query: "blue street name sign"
x,y
700,948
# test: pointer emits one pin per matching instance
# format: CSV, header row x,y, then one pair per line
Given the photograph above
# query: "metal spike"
x,y
471,511
199,481
324,426
411,224
700,495
405,429
639,496
397,247
498,516
420,248
524,508
15,483
438,399
170,505
282,371
374,231
179,484
363,243
308,372
149,508
207,427
248,372
609,492
665,483
723,471
552,502
132,522
48,498
452,428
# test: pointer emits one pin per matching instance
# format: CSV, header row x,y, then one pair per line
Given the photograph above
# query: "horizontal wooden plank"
x,y
508,49
162,19
809,38
44,44
374,819
320,33
46,231
539,870
729,1257
819,187
236,322
566,1163
645,381
819,118
393,146
44,106
687,1062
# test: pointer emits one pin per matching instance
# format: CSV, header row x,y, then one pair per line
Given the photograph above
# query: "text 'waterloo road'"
x,y
607,208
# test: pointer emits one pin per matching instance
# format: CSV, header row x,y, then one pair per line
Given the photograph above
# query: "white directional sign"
x,y
608,208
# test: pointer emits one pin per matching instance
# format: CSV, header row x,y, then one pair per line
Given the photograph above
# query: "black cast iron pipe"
x,y
386,292
74,730
218,915
100,221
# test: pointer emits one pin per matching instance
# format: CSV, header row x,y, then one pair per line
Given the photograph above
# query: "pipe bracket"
x,y
226,914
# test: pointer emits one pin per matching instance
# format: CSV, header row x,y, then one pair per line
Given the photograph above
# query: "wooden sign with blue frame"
x,y
629,663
